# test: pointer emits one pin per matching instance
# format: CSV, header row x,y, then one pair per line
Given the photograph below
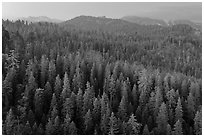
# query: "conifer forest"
x,y
101,76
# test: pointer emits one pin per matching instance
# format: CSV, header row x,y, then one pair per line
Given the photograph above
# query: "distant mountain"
x,y
144,20
188,22
39,19
101,23
124,28
150,21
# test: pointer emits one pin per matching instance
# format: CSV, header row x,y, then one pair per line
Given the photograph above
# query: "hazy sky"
x,y
65,11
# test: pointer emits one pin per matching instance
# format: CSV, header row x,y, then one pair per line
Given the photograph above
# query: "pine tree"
x,y
105,120
184,88
66,92
178,128
48,97
198,123
171,96
30,92
40,130
49,127
77,80
113,123
68,107
162,119
190,106
39,103
57,126
112,92
151,103
167,82
124,90
168,130
122,110
58,87
67,122
143,87
59,64
158,101
51,72
31,117
44,68
97,111
88,122
72,129
146,130
27,129
133,125
54,113
135,96
179,111
79,109
53,102
10,123
34,129
104,102
88,99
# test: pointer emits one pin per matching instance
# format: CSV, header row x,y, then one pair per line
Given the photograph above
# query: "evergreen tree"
x,y
48,97
68,107
179,111
58,87
135,96
122,110
39,103
67,122
104,102
77,80
40,130
171,96
30,92
88,99
44,68
51,72
88,122
133,125
57,126
49,127
190,106
158,101
79,109
31,117
27,129
113,123
105,121
53,102
72,129
97,111
10,123
168,130
146,130
178,128
198,123
162,119
66,92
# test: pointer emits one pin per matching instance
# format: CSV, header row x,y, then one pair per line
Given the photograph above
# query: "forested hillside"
x,y
101,76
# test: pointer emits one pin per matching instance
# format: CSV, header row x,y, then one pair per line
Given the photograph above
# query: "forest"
x,y
91,79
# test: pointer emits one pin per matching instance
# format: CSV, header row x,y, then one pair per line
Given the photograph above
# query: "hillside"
x,y
96,75
144,20
38,19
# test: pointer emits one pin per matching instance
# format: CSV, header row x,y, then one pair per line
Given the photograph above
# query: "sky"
x,y
67,10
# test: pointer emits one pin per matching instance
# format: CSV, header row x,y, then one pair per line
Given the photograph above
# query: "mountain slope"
x,y
144,20
39,19
101,23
